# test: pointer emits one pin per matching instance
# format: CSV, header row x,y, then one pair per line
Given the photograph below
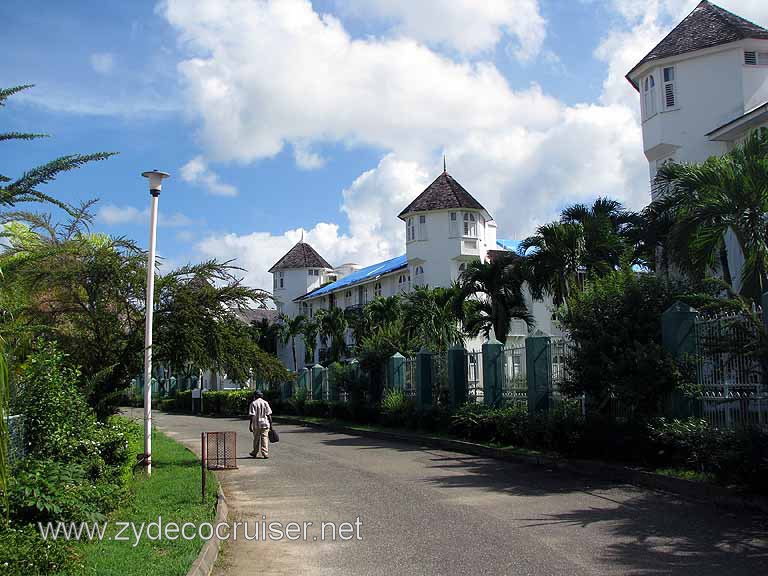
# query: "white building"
x,y
703,89
446,227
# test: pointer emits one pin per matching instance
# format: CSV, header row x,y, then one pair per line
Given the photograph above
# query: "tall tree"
x,y
333,327
310,330
290,328
430,318
553,259
490,296
724,194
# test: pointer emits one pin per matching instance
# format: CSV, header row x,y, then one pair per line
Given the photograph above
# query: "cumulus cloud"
x,y
468,26
196,171
271,74
103,62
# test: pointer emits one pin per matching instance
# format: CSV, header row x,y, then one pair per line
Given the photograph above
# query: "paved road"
x,y
427,511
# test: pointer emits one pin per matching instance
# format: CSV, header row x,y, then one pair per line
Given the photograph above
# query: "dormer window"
x,y
470,225
649,96
753,58
670,88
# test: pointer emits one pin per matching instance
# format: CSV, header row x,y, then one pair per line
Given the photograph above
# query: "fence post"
x,y
538,365
396,371
317,382
302,382
677,330
423,379
457,376
493,372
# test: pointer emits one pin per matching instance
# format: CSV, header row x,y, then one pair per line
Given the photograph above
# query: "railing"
x,y
732,409
514,388
474,376
723,364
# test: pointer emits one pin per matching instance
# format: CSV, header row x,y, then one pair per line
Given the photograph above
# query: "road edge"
x,y
203,564
696,491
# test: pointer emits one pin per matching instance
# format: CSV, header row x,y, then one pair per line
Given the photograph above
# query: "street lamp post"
x,y
155,185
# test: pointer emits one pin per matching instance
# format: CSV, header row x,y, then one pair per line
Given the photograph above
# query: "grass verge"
x,y
172,493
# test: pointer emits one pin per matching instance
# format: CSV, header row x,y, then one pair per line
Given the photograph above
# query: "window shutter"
x,y
670,94
750,58
762,58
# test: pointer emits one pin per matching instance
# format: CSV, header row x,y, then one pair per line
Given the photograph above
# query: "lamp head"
x,y
155,180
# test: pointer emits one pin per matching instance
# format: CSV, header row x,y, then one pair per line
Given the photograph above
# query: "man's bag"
x,y
273,435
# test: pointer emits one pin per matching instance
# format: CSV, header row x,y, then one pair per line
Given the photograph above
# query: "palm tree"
x,y
309,331
333,326
723,194
606,227
383,310
289,329
430,318
490,295
553,260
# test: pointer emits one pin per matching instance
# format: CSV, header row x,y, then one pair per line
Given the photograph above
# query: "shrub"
x,y
615,327
316,408
298,402
23,551
59,423
42,490
396,408
168,404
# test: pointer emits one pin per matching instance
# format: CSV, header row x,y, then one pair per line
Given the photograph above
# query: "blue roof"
x,y
509,244
361,275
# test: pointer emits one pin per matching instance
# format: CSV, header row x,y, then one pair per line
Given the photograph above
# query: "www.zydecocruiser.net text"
x,y
252,530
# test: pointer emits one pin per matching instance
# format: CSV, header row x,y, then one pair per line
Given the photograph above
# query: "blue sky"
x,y
328,117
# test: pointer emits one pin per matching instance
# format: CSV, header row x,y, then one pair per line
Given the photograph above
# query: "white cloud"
x,y
196,171
467,26
271,74
112,214
103,62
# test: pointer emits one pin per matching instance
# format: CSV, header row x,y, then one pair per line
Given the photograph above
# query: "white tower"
x,y
445,227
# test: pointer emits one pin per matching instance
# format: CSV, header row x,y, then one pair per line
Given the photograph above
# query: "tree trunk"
x,y
293,349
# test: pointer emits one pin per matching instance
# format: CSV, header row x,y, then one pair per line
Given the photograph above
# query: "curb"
x,y
695,491
203,565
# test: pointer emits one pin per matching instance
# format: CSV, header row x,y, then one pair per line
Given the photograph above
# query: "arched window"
x,y
348,298
462,268
377,290
649,96
470,225
402,282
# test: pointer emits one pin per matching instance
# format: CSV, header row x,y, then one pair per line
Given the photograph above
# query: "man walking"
x,y
261,421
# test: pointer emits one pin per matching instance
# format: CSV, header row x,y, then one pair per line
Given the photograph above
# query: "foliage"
x,y
490,295
396,408
729,456
333,327
86,292
266,333
196,320
430,318
4,436
725,194
310,330
59,423
588,241
375,349
22,551
614,326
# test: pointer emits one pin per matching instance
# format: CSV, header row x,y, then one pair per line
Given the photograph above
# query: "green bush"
x,y
59,423
316,408
396,408
23,551
615,327
168,404
298,402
